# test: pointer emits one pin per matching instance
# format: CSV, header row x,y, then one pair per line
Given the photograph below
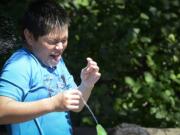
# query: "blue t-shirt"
x,y
24,78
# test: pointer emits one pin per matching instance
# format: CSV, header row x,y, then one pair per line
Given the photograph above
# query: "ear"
x,y
29,37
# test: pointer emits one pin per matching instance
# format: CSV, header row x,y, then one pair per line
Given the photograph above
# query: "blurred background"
x,y
136,44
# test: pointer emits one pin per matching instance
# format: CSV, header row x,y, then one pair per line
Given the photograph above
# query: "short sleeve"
x,y
15,78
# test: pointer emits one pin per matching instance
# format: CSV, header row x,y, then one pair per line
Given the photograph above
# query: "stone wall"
x,y
165,131
151,131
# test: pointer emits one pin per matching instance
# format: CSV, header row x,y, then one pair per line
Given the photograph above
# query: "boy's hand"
x,y
67,100
90,74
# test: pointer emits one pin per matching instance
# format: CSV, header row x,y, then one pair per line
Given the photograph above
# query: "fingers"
x,y
74,92
90,62
90,74
72,95
71,99
98,75
91,66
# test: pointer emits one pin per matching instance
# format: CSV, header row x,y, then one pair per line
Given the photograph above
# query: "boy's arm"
x,y
89,76
12,111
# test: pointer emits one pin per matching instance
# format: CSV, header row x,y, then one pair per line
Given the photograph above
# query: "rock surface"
x,y
151,131
165,131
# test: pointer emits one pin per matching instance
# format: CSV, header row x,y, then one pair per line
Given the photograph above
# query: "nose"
x,y
59,46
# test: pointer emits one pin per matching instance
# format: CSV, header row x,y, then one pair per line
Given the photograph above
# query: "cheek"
x,y
65,46
47,49
43,52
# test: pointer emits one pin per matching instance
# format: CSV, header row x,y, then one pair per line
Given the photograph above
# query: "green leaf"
x,y
150,62
129,81
87,120
161,114
149,78
172,38
145,39
174,78
175,58
153,110
144,16
168,93
82,2
100,130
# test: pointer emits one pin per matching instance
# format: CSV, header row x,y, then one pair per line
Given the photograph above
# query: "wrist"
x,y
49,104
83,86
56,102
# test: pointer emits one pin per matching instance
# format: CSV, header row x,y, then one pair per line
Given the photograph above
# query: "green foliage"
x,y
137,47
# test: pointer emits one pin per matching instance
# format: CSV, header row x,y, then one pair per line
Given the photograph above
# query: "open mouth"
x,y
55,57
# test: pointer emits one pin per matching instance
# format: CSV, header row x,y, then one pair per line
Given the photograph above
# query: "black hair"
x,y
42,16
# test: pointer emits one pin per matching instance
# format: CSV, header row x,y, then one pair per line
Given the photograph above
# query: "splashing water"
x,y
95,119
99,128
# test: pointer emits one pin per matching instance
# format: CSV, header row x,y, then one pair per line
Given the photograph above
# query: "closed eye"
x,y
55,42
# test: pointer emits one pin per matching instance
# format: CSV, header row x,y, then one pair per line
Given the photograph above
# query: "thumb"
x,y
88,61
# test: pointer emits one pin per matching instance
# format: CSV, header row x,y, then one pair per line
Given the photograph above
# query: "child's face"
x,y
49,48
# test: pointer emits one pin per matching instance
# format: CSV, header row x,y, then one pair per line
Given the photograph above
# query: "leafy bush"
x,y
136,44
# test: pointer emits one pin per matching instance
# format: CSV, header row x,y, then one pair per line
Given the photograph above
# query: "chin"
x,y
53,63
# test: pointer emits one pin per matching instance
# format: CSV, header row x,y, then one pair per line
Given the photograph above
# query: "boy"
x,y
36,90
